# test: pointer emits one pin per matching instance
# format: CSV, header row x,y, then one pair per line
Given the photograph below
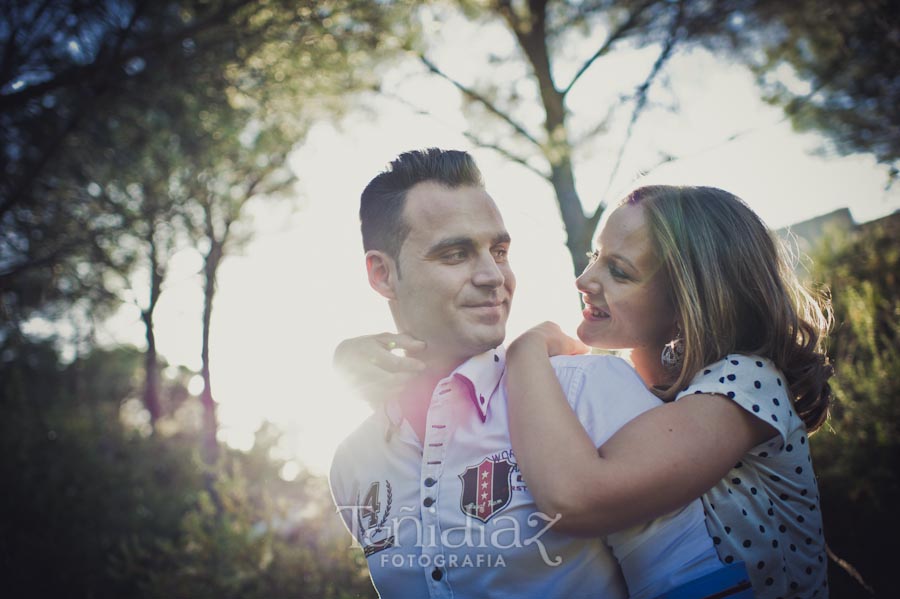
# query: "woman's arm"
x,y
656,463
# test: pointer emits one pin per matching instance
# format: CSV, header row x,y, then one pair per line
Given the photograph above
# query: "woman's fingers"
x,y
558,343
392,341
378,366
396,363
395,355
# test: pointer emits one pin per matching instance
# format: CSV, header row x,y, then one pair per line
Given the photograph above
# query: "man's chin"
x,y
491,341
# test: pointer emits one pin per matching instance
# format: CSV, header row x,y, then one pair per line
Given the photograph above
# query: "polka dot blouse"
x,y
765,512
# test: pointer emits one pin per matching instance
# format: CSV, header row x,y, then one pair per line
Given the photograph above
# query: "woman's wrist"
x,y
529,343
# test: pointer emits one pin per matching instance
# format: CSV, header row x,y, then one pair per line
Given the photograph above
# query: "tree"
x,y
238,151
242,170
531,124
122,115
856,453
94,508
74,67
546,148
64,64
846,56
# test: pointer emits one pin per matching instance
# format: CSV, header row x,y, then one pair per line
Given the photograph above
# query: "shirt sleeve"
x,y
338,482
755,384
606,393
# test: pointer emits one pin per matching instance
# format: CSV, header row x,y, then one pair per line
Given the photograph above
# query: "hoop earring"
x,y
673,352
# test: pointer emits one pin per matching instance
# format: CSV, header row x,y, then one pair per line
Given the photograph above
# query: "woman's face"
x,y
624,288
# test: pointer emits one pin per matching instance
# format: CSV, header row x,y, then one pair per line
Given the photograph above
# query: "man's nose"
x,y
487,272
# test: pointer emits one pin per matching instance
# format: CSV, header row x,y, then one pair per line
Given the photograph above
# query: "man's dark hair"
x,y
383,199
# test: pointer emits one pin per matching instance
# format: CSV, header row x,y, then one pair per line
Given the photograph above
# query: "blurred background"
x,y
180,251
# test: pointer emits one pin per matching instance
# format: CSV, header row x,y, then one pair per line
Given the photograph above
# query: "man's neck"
x,y
416,395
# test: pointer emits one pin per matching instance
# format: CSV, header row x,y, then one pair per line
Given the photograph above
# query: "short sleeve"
x,y
755,384
604,391
337,482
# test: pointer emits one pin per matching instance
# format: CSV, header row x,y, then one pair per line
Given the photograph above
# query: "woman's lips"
x,y
594,313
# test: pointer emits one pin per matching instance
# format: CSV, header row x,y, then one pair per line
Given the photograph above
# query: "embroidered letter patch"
x,y
371,532
486,488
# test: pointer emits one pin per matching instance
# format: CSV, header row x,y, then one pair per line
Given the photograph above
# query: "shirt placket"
x,y
438,427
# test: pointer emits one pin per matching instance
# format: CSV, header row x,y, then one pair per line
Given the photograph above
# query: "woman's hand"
x,y
370,365
549,336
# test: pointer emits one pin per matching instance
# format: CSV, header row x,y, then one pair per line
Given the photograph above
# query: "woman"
x,y
690,280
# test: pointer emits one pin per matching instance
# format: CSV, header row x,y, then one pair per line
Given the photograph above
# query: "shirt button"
x,y
428,501
437,574
430,482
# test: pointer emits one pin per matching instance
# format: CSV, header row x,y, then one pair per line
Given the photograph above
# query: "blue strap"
x,y
728,582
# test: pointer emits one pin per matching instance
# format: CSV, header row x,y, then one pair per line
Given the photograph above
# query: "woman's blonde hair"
x,y
734,292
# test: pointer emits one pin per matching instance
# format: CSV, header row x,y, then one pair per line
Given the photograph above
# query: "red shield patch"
x,y
486,488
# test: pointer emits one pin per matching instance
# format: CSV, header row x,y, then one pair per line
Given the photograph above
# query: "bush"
x,y
95,509
856,453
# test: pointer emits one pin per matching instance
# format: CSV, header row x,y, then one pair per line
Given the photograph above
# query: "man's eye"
x,y
593,256
455,256
501,253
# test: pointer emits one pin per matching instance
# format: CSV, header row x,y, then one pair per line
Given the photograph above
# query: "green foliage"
x,y
255,535
856,454
92,508
115,114
832,65
133,130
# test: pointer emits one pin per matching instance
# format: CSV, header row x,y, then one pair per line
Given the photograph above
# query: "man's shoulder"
x,y
604,391
360,442
595,363
602,379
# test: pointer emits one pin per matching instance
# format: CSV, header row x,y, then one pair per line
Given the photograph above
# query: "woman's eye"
x,y
593,256
617,273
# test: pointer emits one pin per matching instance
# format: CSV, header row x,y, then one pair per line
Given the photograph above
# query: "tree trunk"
x,y
532,38
151,359
210,420
151,371
578,238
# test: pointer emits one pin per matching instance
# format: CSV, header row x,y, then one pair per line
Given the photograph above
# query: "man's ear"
x,y
382,271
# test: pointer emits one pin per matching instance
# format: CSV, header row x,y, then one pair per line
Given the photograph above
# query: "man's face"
x,y
455,285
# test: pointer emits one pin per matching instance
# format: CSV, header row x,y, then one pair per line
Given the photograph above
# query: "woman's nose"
x,y
589,281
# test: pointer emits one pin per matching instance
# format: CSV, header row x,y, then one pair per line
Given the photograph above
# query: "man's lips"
x,y
490,310
493,303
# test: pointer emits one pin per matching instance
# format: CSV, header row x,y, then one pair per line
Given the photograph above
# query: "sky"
x,y
300,287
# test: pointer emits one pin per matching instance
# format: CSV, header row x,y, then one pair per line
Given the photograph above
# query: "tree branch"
x,y
594,219
468,135
641,92
615,36
78,74
739,134
849,569
39,262
601,127
733,137
505,153
474,95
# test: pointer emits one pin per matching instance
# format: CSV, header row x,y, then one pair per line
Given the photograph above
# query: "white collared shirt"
x,y
450,516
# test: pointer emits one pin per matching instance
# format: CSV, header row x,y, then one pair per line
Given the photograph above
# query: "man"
x,y
429,485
